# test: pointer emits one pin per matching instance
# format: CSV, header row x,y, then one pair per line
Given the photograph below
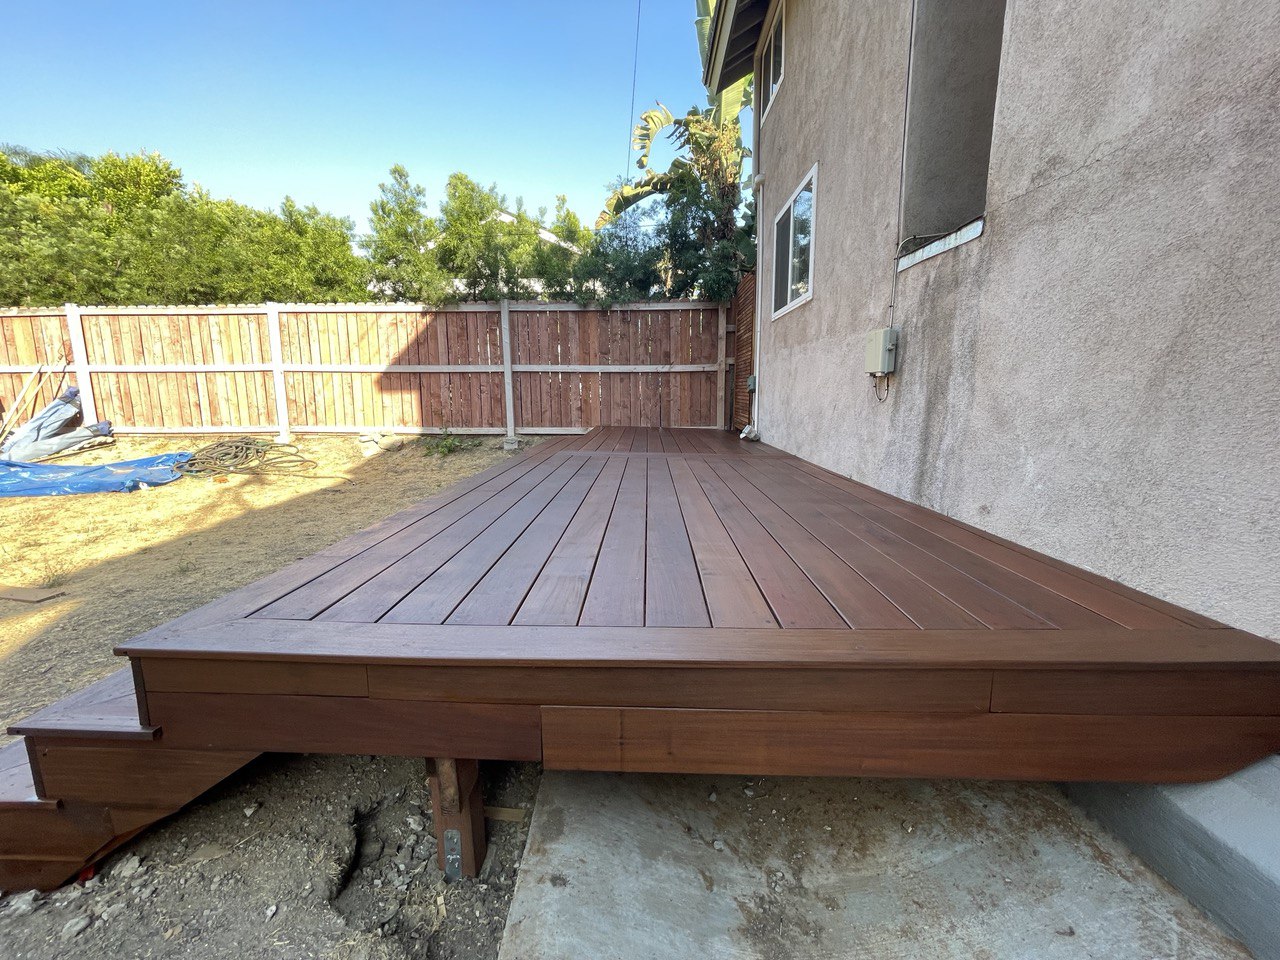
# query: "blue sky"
x,y
258,99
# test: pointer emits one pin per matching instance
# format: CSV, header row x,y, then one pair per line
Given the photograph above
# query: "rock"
x,y
712,796
127,867
208,851
415,824
250,810
24,904
75,926
112,912
271,911
391,443
717,844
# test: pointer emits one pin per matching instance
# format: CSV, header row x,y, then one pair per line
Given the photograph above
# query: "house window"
x,y
769,79
793,248
951,103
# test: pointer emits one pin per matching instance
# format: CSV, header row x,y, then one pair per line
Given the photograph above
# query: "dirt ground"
x,y
295,856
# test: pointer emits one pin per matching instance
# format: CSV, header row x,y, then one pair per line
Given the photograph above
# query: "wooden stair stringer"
x,y
86,777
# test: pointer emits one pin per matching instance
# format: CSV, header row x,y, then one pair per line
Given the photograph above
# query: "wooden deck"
x,y
669,600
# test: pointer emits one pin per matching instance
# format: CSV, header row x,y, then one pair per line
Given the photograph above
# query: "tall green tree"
x,y
553,263
128,229
478,250
401,242
623,262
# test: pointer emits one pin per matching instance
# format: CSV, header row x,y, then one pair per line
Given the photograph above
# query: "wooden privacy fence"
x,y
347,368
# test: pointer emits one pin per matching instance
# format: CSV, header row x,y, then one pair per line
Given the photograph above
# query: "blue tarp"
x,y
51,479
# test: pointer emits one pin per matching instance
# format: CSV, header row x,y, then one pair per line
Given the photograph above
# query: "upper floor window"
x,y
793,248
953,78
771,60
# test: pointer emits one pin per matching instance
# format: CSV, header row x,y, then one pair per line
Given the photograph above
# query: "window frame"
x,y
810,179
778,27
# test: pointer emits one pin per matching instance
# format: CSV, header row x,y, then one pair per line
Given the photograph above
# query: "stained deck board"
x,y
858,602
670,570
557,594
1116,602
638,527
499,594
457,645
1030,596
926,607
794,598
105,708
727,585
615,596
436,597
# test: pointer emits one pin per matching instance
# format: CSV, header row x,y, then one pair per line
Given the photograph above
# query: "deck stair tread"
x,y
17,787
107,709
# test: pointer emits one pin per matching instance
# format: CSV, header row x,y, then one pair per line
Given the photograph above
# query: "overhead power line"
x,y
631,111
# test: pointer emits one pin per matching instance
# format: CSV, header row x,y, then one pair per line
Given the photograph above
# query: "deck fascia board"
x,y
466,645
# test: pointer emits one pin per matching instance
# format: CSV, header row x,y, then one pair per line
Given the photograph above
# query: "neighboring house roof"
x,y
735,32
504,216
543,232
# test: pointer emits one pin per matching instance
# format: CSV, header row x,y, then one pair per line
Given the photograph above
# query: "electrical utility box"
x,y
882,350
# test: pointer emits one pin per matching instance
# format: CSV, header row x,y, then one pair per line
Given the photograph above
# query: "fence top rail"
x,y
239,309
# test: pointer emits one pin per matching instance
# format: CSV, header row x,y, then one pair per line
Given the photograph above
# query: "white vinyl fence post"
x,y
277,372
80,362
720,366
508,386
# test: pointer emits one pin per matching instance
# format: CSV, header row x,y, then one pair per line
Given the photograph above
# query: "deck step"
x,y
42,843
106,710
86,777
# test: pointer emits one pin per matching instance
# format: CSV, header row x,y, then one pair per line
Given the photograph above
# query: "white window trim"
x,y
970,231
808,178
778,18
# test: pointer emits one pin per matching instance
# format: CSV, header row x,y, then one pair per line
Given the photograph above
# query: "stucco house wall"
x,y
1097,376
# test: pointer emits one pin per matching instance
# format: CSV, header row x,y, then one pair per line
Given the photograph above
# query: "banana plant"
x,y
711,137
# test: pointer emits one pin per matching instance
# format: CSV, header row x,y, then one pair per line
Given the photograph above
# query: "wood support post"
x,y
457,810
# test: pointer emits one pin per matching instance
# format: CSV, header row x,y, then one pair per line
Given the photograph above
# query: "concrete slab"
x,y
1219,843
714,868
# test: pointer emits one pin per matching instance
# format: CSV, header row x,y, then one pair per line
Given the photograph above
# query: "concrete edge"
x,y
1218,843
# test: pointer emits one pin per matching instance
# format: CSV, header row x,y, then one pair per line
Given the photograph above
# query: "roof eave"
x,y
735,33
